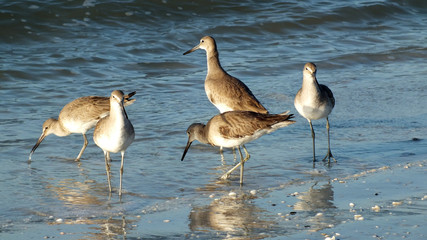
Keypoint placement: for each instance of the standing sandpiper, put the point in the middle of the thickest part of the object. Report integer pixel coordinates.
(224, 91)
(114, 133)
(314, 101)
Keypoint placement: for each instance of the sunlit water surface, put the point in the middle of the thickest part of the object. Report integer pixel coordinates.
(370, 53)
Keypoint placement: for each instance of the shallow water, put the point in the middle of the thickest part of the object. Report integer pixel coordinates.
(370, 53)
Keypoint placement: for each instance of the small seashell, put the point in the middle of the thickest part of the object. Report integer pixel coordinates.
(319, 214)
(376, 208)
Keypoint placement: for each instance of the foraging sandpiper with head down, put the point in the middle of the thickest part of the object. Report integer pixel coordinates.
(78, 116)
(234, 129)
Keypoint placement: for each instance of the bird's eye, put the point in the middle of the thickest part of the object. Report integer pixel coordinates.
(202, 41)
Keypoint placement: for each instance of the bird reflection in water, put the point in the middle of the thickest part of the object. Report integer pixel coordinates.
(318, 199)
(109, 228)
(77, 195)
(73, 192)
(238, 218)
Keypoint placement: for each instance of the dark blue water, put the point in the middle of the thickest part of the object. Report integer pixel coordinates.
(370, 53)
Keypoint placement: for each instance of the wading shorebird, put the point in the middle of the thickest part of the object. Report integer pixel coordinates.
(78, 116)
(314, 101)
(234, 129)
(224, 91)
(114, 133)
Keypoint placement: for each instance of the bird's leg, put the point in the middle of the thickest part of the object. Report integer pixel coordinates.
(221, 151)
(247, 153)
(242, 166)
(121, 173)
(243, 162)
(313, 135)
(107, 168)
(329, 154)
(109, 158)
(83, 148)
(227, 174)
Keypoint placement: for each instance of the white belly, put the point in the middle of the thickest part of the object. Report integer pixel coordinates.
(315, 113)
(114, 141)
(223, 107)
(220, 141)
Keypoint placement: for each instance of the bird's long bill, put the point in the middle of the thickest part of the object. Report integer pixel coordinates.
(128, 96)
(123, 109)
(37, 144)
(127, 99)
(192, 50)
(186, 149)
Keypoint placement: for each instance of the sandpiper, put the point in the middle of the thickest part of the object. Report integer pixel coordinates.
(114, 133)
(224, 91)
(78, 116)
(314, 101)
(234, 129)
